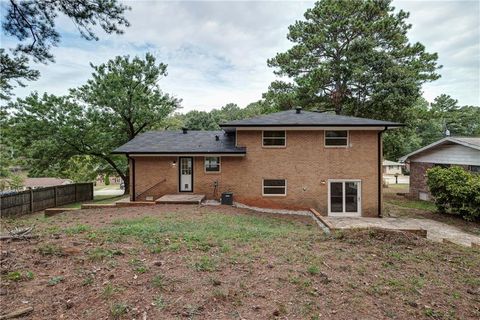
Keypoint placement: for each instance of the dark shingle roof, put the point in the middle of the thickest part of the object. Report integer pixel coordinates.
(307, 118)
(176, 142)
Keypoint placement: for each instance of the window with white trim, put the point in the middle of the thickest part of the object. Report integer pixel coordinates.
(274, 187)
(274, 138)
(212, 164)
(336, 138)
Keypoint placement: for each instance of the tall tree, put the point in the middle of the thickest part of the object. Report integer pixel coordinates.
(354, 56)
(121, 100)
(32, 24)
(428, 122)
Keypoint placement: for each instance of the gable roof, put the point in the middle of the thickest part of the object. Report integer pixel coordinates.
(177, 142)
(307, 119)
(45, 182)
(471, 142)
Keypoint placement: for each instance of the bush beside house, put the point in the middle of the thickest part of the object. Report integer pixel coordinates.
(455, 191)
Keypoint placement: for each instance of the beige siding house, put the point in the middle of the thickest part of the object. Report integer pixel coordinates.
(392, 167)
(293, 159)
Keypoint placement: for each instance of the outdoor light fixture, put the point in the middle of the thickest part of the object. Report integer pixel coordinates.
(174, 163)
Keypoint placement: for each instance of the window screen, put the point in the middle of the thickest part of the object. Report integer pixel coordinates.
(212, 164)
(274, 138)
(275, 187)
(336, 138)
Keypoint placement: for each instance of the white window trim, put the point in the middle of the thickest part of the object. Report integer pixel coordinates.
(274, 147)
(325, 139)
(344, 213)
(205, 164)
(274, 195)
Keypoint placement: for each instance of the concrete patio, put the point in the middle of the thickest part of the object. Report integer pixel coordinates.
(181, 199)
(436, 231)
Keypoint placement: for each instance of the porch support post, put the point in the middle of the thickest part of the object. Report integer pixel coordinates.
(380, 175)
(132, 177)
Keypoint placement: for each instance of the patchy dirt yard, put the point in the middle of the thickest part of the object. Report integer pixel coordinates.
(174, 262)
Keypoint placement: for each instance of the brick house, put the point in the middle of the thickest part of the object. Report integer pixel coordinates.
(292, 159)
(450, 151)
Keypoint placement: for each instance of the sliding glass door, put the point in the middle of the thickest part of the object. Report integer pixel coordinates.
(344, 198)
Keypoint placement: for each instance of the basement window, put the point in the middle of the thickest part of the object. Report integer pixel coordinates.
(274, 187)
(212, 164)
(336, 138)
(274, 138)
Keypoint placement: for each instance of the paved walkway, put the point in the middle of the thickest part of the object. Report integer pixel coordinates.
(401, 179)
(436, 231)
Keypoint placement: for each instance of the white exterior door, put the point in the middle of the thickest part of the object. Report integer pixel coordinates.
(344, 198)
(186, 175)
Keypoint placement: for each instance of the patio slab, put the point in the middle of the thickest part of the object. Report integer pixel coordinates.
(436, 231)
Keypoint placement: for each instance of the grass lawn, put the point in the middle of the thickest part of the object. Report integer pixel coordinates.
(413, 204)
(397, 188)
(109, 187)
(177, 261)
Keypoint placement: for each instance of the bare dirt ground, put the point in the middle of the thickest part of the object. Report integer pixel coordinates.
(189, 262)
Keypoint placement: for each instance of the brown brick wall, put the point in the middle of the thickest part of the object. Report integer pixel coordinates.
(305, 163)
(418, 180)
(418, 177)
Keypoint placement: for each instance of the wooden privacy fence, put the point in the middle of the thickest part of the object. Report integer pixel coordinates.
(39, 199)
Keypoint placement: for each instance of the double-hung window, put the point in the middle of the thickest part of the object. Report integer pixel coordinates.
(274, 138)
(212, 164)
(274, 187)
(336, 138)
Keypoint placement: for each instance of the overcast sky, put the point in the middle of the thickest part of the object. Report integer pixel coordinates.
(216, 51)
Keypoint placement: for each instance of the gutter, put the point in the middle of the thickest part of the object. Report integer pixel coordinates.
(392, 125)
(380, 174)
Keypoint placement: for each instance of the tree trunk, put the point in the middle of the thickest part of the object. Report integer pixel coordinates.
(127, 183)
(124, 175)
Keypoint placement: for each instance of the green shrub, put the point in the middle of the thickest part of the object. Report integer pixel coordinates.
(106, 180)
(455, 191)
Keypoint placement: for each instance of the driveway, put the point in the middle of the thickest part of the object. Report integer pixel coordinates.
(108, 192)
(401, 179)
(436, 231)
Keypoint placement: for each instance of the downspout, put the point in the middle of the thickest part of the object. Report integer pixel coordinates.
(380, 174)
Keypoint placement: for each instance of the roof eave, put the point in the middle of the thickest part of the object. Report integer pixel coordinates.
(178, 152)
(393, 125)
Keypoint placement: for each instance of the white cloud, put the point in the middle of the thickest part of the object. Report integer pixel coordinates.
(452, 29)
(216, 51)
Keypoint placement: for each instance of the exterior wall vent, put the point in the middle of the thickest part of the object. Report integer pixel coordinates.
(299, 109)
(185, 130)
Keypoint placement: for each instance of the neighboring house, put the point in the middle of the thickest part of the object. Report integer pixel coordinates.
(113, 179)
(33, 183)
(392, 167)
(458, 151)
(292, 159)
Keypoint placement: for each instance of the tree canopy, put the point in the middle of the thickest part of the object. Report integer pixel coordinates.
(353, 57)
(32, 24)
(121, 100)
